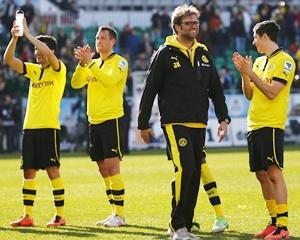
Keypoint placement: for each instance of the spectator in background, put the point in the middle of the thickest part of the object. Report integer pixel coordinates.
(29, 11)
(125, 125)
(146, 46)
(155, 25)
(8, 15)
(226, 78)
(264, 11)
(7, 122)
(220, 41)
(77, 36)
(165, 21)
(238, 31)
(61, 38)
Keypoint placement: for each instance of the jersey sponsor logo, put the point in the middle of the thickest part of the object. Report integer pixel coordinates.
(182, 142)
(42, 84)
(122, 64)
(287, 66)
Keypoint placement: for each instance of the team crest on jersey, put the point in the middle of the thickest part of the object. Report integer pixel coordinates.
(270, 67)
(204, 59)
(182, 142)
(287, 66)
(122, 64)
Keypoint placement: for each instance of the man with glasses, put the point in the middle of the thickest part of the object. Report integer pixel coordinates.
(184, 77)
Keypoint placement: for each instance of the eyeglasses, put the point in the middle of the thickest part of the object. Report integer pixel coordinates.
(190, 23)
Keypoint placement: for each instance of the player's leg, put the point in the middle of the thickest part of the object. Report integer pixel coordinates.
(58, 191)
(260, 152)
(49, 152)
(29, 195)
(29, 167)
(210, 187)
(275, 173)
(109, 136)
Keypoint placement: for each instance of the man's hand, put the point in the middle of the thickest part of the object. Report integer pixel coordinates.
(15, 30)
(243, 64)
(146, 135)
(25, 28)
(84, 54)
(222, 130)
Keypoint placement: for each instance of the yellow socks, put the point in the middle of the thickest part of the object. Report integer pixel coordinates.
(210, 187)
(117, 189)
(59, 195)
(106, 183)
(282, 215)
(271, 206)
(29, 195)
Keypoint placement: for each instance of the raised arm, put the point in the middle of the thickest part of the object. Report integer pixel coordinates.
(244, 65)
(9, 55)
(79, 77)
(247, 87)
(42, 47)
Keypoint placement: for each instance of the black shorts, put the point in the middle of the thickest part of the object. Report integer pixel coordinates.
(40, 148)
(105, 140)
(265, 148)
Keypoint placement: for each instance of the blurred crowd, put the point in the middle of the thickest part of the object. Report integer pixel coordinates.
(222, 29)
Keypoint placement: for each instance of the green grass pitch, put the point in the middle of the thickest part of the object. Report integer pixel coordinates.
(147, 179)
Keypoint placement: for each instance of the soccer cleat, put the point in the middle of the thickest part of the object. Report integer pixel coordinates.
(183, 234)
(263, 233)
(278, 234)
(220, 224)
(195, 226)
(56, 222)
(101, 222)
(25, 221)
(115, 221)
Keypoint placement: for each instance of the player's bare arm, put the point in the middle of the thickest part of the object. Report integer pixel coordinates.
(9, 56)
(238, 61)
(41, 47)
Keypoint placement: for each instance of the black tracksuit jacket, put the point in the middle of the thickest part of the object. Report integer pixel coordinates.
(183, 89)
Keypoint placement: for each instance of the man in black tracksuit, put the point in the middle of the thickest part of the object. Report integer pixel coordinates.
(184, 77)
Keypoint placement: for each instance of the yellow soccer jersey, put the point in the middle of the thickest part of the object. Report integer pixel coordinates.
(262, 111)
(106, 81)
(45, 93)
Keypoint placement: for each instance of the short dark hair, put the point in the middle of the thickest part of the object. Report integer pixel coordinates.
(112, 32)
(181, 12)
(271, 28)
(50, 41)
